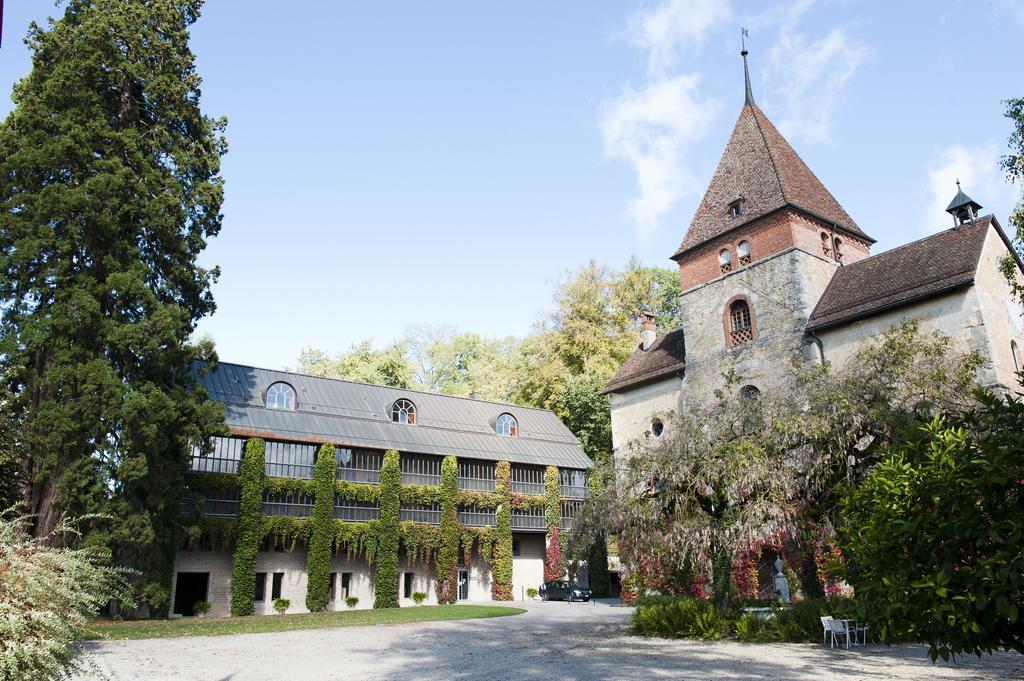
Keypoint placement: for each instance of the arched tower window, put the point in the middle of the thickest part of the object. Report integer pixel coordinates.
(725, 260)
(826, 245)
(507, 425)
(1015, 349)
(403, 411)
(280, 396)
(741, 323)
(837, 247)
(743, 251)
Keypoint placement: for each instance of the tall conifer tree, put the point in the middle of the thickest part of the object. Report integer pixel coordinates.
(109, 190)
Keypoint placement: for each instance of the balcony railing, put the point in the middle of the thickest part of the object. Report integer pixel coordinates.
(567, 523)
(478, 518)
(477, 484)
(418, 513)
(534, 488)
(356, 514)
(528, 521)
(573, 491)
(213, 464)
(288, 470)
(364, 475)
(420, 479)
(288, 508)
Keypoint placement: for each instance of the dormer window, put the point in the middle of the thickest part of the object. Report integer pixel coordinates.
(403, 411)
(725, 260)
(743, 251)
(736, 207)
(507, 426)
(280, 396)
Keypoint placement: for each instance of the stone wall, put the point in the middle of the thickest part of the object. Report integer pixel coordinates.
(1001, 312)
(633, 410)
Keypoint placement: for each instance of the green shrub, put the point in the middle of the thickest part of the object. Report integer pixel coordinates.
(282, 605)
(446, 569)
(501, 570)
(418, 597)
(47, 596)
(201, 607)
(679, 617)
(386, 574)
(318, 558)
(250, 529)
(752, 628)
(531, 593)
(351, 601)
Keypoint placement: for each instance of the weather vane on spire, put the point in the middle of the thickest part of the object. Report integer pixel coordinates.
(749, 94)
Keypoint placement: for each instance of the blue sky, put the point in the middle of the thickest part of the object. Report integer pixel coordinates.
(406, 163)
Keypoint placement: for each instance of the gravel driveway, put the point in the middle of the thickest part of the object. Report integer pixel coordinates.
(551, 641)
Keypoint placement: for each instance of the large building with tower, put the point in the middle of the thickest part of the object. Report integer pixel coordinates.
(773, 270)
(294, 414)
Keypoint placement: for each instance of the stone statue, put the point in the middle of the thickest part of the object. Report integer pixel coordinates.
(781, 582)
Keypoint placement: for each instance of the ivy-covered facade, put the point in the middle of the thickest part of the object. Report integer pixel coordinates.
(473, 497)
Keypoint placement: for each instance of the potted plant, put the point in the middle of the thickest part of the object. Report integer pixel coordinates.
(200, 608)
(351, 601)
(531, 593)
(282, 605)
(418, 597)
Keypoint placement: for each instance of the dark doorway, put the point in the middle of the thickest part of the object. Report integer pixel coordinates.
(463, 584)
(189, 590)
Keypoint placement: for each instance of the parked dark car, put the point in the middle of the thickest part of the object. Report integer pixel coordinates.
(564, 591)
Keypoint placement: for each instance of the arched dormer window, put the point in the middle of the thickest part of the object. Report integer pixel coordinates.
(740, 323)
(837, 248)
(743, 251)
(403, 411)
(826, 245)
(507, 425)
(725, 260)
(280, 396)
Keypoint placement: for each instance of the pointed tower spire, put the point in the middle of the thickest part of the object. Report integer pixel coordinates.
(746, 71)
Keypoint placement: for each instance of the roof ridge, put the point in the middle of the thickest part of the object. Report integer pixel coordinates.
(768, 148)
(389, 387)
(958, 228)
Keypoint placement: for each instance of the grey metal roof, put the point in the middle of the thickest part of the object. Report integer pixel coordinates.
(359, 415)
(961, 200)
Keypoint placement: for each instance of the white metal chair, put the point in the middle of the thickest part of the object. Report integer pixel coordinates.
(835, 628)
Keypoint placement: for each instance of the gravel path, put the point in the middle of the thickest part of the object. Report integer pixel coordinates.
(551, 641)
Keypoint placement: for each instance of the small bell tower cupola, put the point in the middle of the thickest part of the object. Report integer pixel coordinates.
(963, 208)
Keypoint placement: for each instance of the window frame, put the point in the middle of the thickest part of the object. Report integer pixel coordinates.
(286, 407)
(276, 586)
(735, 337)
(261, 587)
(404, 404)
(513, 425)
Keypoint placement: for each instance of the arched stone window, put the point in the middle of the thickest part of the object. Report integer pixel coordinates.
(750, 392)
(837, 248)
(280, 396)
(1015, 349)
(657, 427)
(743, 251)
(826, 245)
(403, 411)
(507, 425)
(725, 260)
(739, 323)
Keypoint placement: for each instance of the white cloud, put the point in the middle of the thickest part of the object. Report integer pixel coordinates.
(977, 168)
(811, 74)
(672, 26)
(651, 128)
(1014, 8)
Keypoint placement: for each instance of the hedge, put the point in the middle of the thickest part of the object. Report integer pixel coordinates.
(386, 575)
(446, 570)
(250, 529)
(318, 557)
(501, 572)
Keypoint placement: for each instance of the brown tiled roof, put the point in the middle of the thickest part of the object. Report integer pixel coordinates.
(933, 265)
(666, 357)
(759, 164)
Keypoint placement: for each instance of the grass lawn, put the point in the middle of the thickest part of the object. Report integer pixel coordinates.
(221, 626)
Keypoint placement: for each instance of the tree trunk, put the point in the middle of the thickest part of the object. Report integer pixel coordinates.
(43, 506)
(721, 575)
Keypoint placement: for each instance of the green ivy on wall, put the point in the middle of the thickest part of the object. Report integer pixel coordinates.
(527, 502)
(318, 557)
(446, 571)
(386, 575)
(356, 491)
(284, 532)
(554, 563)
(419, 541)
(250, 529)
(357, 539)
(501, 572)
(424, 494)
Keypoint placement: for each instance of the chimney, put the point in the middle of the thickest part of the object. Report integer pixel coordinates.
(648, 335)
